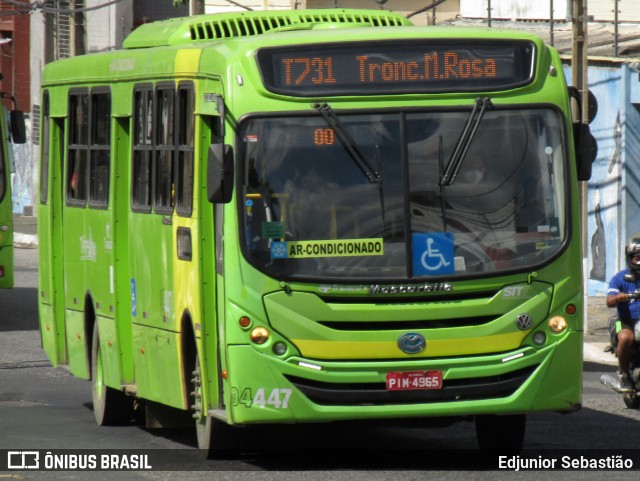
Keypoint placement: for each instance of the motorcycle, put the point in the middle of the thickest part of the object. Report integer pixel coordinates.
(631, 399)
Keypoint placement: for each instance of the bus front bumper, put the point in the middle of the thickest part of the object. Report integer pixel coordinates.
(303, 390)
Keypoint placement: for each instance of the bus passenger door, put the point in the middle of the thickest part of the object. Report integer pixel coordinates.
(150, 223)
(122, 274)
(50, 235)
(152, 248)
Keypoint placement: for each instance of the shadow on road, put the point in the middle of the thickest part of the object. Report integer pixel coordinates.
(356, 446)
(23, 314)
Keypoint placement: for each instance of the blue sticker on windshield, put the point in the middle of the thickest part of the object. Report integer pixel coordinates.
(433, 253)
(278, 250)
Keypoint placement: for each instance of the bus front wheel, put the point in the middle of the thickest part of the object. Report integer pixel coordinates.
(215, 438)
(501, 433)
(110, 406)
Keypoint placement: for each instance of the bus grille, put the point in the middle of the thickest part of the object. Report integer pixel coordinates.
(409, 325)
(375, 394)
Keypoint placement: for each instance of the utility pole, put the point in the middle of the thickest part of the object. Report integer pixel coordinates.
(196, 7)
(579, 56)
(579, 64)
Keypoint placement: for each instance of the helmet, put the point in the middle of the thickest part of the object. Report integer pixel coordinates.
(631, 250)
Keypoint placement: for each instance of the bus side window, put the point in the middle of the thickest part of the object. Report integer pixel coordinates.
(142, 149)
(163, 181)
(184, 150)
(100, 151)
(44, 141)
(77, 148)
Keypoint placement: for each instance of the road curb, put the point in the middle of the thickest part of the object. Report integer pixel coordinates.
(24, 240)
(594, 352)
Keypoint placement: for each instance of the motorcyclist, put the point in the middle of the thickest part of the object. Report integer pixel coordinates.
(619, 295)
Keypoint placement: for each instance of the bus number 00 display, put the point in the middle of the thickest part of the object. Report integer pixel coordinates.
(323, 136)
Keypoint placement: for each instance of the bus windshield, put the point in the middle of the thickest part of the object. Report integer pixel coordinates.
(309, 212)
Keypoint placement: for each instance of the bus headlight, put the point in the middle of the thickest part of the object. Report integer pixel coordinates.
(557, 324)
(260, 335)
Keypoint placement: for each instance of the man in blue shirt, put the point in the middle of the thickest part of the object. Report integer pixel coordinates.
(620, 295)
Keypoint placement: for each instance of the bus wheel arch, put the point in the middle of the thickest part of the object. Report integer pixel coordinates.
(189, 351)
(90, 324)
(215, 438)
(193, 384)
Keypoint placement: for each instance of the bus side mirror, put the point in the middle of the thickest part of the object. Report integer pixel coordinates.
(220, 173)
(586, 146)
(18, 130)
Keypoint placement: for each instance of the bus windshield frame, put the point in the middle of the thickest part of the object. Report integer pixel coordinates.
(307, 213)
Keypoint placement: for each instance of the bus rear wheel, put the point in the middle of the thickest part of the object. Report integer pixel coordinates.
(110, 406)
(503, 434)
(215, 438)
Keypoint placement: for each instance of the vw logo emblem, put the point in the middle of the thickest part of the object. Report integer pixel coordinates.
(524, 322)
(412, 343)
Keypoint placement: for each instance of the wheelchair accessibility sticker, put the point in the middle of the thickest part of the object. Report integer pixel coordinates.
(433, 253)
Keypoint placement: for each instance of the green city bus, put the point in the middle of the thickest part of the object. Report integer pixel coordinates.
(12, 130)
(313, 216)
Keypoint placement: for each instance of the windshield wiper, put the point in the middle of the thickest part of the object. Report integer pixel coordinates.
(469, 131)
(348, 142)
(443, 199)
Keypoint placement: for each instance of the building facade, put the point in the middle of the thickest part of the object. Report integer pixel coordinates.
(14, 45)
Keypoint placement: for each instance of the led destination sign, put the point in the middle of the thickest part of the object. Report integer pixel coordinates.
(398, 67)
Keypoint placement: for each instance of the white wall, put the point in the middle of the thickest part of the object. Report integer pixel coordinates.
(220, 6)
(445, 11)
(514, 9)
(106, 27)
(601, 10)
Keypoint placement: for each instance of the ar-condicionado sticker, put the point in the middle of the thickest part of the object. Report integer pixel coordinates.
(329, 248)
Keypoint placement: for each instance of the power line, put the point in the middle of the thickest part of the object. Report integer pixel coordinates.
(232, 2)
(26, 8)
(428, 7)
(46, 7)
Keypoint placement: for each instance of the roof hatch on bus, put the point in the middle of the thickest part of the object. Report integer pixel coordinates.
(205, 28)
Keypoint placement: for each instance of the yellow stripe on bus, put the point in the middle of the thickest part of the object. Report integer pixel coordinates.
(390, 349)
(187, 61)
